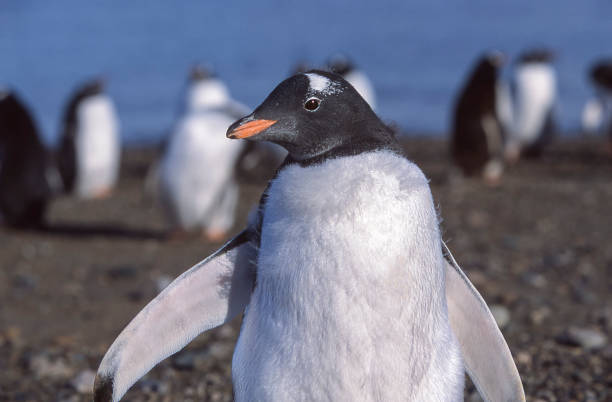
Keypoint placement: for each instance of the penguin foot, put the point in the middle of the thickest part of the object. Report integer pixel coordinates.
(492, 173)
(177, 234)
(102, 194)
(214, 235)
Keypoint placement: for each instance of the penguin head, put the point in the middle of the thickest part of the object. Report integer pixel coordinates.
(93, 87)
(487, 67)
(340, 64)
(206, 90)
(539, 55)
(601, 74)
(201, 72)
(310, 114)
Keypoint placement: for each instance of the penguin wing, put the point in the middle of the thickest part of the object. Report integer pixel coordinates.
(486, 355)
(207, 295)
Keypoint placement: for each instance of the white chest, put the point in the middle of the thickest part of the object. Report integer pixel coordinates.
(349, 302)
(97, 146)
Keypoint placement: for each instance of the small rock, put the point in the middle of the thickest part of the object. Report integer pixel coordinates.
(184, 360)
(538, 315)
(45, 367)
(524, 358)
(84, 381)
(501, 315)
(536, 280)
(25, 281)
(152, 386)
(121, 272)
(134, 296)
(475, 397)
(586, 338)
(162, 281)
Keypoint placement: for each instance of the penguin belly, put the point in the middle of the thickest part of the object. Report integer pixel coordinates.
(349, 303)
(97, 147)
(196, 180)
(535, 97)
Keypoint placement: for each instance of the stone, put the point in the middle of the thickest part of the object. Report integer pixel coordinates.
(501, 315)
(84, 381)
(586, 338)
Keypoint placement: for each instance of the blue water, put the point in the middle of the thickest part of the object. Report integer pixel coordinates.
(416, 53)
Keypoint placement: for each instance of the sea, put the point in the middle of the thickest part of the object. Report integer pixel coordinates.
(417, 53)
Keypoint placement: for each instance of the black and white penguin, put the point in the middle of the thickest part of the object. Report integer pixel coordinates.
(89, 152)
(25, 166)
(196, 173)
(341, 64)
(342, 261)
(477, 137)
(597, 113)
(534, 85)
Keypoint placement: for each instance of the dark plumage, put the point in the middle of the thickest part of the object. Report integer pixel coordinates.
(341, 124)
(24, 190)
(476, 131)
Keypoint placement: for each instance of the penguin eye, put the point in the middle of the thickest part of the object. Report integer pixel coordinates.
(312, 104)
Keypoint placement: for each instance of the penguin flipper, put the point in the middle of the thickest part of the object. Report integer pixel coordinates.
(486, 355)
(209, 294)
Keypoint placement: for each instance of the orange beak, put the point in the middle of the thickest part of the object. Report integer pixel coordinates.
(250, 129)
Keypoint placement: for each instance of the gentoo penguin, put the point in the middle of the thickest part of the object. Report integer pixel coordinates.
(477, 135)
(341, 64)
(597, 114)
(534, 84)
(89, 152)
(24, 166)
(196, 172)
(342, 275)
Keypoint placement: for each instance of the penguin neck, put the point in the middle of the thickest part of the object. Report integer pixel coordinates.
(366, 138)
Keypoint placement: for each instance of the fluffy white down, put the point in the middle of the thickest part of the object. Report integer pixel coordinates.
(364, 87)
(196, 174)
(534, 99)
(97, 146)
(350, 300)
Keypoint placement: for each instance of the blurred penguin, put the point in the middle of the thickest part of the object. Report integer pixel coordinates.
(477, 134)
(300, 67)
(597, 113)
(26, 175)
(341, 64)
(196, 176)
(89, 152)
(535, 91)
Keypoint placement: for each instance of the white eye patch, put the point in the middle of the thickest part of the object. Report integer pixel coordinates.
(321, 84)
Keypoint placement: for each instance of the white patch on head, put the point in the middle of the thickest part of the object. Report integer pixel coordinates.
(322, 85)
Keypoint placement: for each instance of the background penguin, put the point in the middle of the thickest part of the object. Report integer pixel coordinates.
(25, 166)
(332, 284)
(196, 176)
(535, 91)
(89, 151)
(597, 113)
(477, 135)
(341, 64)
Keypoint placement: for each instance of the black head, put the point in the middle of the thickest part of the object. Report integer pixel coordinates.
(201, 72)
(601, 73)
(311, 114)
(540, 55)
(487, 67)
(340, 64)
(92, 87)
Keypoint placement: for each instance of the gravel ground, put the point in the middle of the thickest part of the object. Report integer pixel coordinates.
(537, 248)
